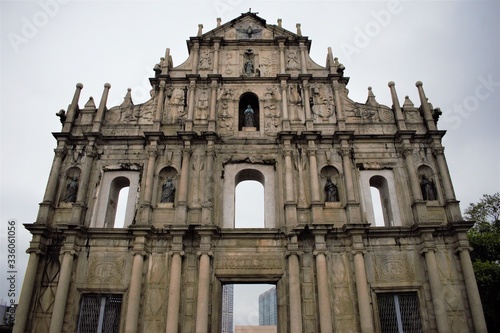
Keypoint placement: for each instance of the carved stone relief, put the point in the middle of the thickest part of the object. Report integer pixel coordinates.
(322, 102)
(390, 268)
(295, 103)
(202, 105)
(292, 60)
(225, 120)
(174, 108)
(205, 60)
(230, 63)
(247, 261)
(268, 63)
(106, 270)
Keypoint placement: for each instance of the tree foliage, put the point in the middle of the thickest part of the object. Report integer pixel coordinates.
(484, 238)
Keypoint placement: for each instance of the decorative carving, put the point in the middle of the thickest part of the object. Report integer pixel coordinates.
(322, 102)
(202, 105)
(295, 100)
(270, 99)
(205, 60)
(292, 60)
(175, 107)
(247, 261)
(105, 270)
(268, 64)
(249, 66)
(389, 268)
(71, 190)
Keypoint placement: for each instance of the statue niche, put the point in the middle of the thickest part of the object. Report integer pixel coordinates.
(248, 112)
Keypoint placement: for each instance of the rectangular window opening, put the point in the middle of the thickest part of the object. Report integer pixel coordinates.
(249, 308)
(99, 313)
(399, 313)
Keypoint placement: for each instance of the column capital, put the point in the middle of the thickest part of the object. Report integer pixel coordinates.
(208, 253)
(293, 253)
(179, 252)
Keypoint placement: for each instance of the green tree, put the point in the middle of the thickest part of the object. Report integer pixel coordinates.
(484, 238)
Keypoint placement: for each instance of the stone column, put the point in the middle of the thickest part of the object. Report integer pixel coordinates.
(206, 210)
(400, 120)
(306, 101)
(196, 51)
(159, 105)
(71, 114)
(174, 292)
(438, 299)
(303, 64)
(317, 206)
(216, 58)
(475, 304)
(147, 204)
(202, 307)
(190, 113)
(281, 45)
(325, 311)
(134, 294)
(96, 127)
(294, 291)
(451, 204)
(183, 184)
(23, 309)
(338, 106)
(429, 120)
(50, 192)
(213, 104)
(365, 312)
(284, 99)
(80, 205)
(300, 164)
(290, 204)
(59, 308)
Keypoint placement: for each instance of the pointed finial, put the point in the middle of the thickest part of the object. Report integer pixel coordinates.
(90, 103)
(371, 98)
(299, 32)
(218, 22)
(200, 30)
(279, 22)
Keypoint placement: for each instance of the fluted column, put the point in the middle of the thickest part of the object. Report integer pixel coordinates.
(290, 203)
(59, 308)
(134, 294)
(294, 287)
(362, 291)
(325, 310)
(23, 308)
(174, 292)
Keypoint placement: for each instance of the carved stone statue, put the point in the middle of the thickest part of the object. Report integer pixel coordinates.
(331, 191)
(249, 117)
(71, 190)
(249, 66)
(168, 191)
(429, 192)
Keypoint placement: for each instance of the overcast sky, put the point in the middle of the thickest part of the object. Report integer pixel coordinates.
(49, 46)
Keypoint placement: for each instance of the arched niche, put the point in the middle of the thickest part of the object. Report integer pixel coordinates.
(167, 176)
(71, 186)
(383, 181)
(428, 184)
(236, 173)
(331, 173)
(107, 198)
(248, 99)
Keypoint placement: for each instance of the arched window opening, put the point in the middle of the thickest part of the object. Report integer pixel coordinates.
(249, 205)
(121, 208)
(117, 185)
(377, 207)
(248, 112)
(379, 184)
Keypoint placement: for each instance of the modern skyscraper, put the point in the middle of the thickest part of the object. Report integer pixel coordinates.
(268, 310)
(227, 308)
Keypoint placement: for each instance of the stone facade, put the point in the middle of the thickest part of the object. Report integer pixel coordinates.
(316, 152)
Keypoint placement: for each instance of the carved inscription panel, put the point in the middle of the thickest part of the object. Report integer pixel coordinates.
(251, 263)
(390, 268)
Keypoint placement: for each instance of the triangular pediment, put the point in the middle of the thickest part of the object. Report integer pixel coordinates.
(248, 26)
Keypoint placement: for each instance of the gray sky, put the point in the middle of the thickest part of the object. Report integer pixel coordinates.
(48, 46)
